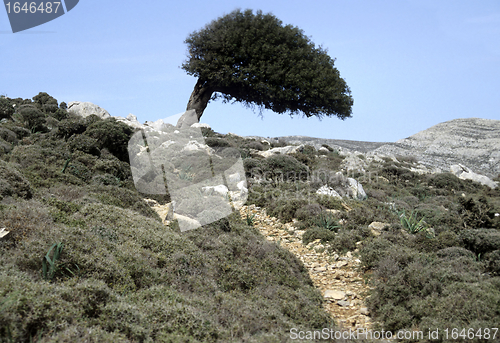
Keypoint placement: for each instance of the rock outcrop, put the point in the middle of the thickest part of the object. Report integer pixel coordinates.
(472, 142)
(85, 109)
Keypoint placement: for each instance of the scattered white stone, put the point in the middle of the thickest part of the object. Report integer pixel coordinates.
(212, 190)
(200, 125)
(334, 294)
(464, 173)
(326, 190)
(3, 232)
(85, 109)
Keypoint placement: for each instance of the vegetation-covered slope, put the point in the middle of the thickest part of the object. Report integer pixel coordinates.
(121, 275)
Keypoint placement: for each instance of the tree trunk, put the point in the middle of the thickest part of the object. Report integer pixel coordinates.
(199, 98)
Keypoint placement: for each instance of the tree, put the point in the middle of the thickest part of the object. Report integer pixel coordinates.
(45, 102)
(6, 108)
(254, 59)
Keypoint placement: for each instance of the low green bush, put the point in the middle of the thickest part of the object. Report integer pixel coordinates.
(12, 182)
(112, 135)
(315, 233)
(283, 168)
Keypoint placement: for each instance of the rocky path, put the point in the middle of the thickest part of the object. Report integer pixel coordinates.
(337, 277)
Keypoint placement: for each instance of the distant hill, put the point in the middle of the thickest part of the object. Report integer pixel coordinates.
(473, 142)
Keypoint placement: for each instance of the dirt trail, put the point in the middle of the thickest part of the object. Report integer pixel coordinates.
(337, 277)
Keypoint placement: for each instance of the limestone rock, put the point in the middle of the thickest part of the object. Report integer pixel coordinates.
(343, 303)
(200, 125)
(289, 149)
(356, 188)
(334, 294)
(166, 212)
(158, 125)
(85, 109)
(3, 232)
(474, 142)
(464, 173)
(364, 311)
(186, 223)
(377, 227)
(130, 120)
(325, 190)
(187, 119)
(211, 190)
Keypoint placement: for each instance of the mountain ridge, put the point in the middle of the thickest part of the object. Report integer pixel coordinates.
(473, 142)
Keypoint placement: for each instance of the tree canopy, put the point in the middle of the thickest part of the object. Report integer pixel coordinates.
(255, 59)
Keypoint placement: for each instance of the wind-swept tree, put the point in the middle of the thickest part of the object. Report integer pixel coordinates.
(255, 59)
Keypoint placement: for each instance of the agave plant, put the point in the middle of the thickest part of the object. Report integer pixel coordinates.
(49, 266)
(328, 222)
(411, 223)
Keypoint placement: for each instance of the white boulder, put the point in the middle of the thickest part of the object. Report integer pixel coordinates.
(85, 109)
(464, 173)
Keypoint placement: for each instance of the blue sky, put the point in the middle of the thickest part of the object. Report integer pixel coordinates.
(410, 64)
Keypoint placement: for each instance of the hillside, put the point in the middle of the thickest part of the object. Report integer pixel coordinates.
(472, 142)
(84, 258)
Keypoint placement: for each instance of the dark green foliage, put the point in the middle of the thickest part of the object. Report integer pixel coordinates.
(481, 241)
(71, 126)
(254, 145)
(408, 283)
(327, 221)
(12, 182)
(446, 181)
(31, 117)
(285, 209)
(476, 213)
(307, 211)
(216, 142)
(6, 108)
(85, 144)
(45, 102)
(255, 59)
(19, 131)
(251, 165)
(282, 168)
(318, 233)
(111, 135)
(136, 277)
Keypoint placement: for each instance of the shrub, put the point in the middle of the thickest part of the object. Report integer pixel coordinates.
(481, 241)
(19, 131)
(285, 209)
(112, 135)
(85, 144)
(318, 233)
(282, 168)
(8, 135)
(251, 165)
(6, 108)
(5, 147)
(254, 145)
(12, 182)
(476, 213)
(31, 117)
(308, 211)
(69, 127)
(217, 142)
(327, 221)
